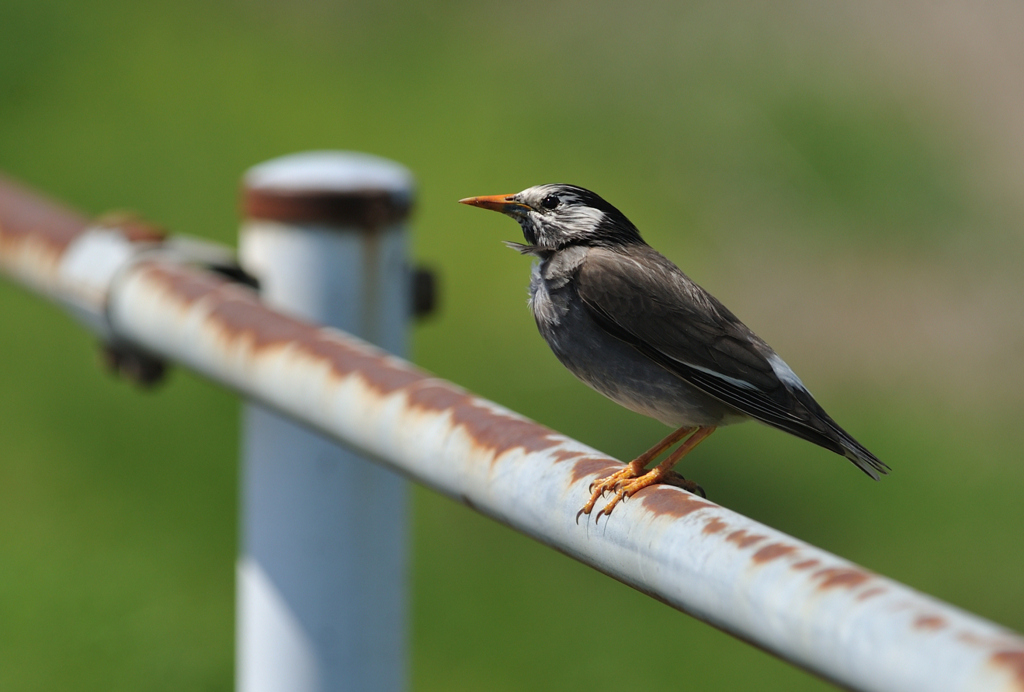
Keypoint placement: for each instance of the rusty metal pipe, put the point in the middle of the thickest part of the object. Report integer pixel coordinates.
(825, 614)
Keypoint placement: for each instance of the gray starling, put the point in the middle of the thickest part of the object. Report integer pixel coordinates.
(630, 324)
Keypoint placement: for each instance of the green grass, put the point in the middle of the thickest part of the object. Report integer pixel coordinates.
(718, 132)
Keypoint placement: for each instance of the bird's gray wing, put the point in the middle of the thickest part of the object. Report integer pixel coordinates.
(641, 298)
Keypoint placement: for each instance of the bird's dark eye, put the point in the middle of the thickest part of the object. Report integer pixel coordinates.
(550, 202)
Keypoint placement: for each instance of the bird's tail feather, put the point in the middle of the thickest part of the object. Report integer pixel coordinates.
(825, 432)
(847, 446)
(859, 455)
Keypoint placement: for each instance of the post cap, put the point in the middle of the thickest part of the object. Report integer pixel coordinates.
(340, 188)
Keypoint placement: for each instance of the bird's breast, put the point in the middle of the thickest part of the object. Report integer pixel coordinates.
(548, 310)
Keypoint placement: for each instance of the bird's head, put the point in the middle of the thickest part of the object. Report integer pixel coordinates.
(556, 216)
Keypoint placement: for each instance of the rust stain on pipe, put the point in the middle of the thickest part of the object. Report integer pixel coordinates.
(743, 538)
(841, 577)
(490, 430)
(133, 227)
(672, 502)
(714, 525)
(187, 287)
(242, 320)
(367, 209)
(591, 466)
(24, 212)
(34, 232)
(772, 551)
(871, 593)
(566, 454)
(1012, 659)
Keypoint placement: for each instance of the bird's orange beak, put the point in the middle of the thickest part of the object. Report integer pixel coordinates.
(503, 203)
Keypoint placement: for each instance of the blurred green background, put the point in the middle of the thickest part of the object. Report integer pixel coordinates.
(848, 177)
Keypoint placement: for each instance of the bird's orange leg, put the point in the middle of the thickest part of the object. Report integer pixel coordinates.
(628, 485)
(633, 469)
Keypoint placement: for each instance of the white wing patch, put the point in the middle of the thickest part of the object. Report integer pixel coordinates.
(732, 380)
(784, 372)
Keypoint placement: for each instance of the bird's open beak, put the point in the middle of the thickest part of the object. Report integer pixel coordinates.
(506, 204)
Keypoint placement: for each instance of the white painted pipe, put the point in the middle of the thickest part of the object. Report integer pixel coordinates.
(322, 574)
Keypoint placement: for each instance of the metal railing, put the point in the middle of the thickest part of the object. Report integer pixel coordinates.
(152, 300)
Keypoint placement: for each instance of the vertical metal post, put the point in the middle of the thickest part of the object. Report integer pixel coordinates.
(322, 583)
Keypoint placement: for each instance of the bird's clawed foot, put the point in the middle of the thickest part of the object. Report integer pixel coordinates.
(629, 481)
(609, 483)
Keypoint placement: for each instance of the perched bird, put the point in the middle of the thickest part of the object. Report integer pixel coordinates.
(630, 324)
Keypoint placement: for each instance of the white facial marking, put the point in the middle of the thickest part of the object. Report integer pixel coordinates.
(582, 217)
(573, 218)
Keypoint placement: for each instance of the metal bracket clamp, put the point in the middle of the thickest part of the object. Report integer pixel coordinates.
(97, 260)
